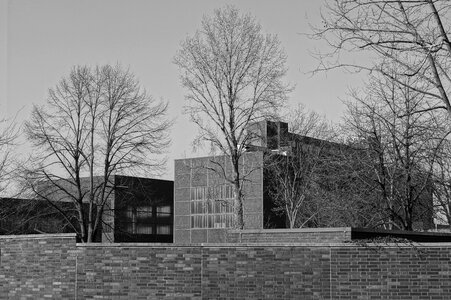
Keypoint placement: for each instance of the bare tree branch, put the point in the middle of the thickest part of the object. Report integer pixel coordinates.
(404, 141)
(403, 37)
(233, 76)
(97, 122)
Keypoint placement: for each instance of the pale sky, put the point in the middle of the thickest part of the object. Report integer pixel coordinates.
(41, 40)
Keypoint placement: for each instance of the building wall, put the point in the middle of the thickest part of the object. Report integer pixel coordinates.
(154, 223)
(143, 210)
(32, 216)
(196, 175)
(42, 266)
(304, 235)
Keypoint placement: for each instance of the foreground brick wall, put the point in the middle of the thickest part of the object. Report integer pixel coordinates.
(56, 267)
(36, 267)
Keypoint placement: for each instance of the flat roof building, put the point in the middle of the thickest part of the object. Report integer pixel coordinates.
(203, 198)
(137, 210)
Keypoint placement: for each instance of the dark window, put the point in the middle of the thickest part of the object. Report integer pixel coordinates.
(163, 211)
(138, 220)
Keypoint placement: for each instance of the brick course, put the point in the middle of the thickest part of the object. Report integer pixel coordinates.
(44, 266)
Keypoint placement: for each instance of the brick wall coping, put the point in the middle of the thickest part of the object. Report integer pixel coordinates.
(294, 230)
(401, 232)
(216, 245)
(262, 245)
(39, 236)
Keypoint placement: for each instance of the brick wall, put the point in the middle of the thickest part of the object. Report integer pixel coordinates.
(307, 235)
(36, 267)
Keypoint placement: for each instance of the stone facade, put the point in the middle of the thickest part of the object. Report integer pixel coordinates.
(55, 267)
(195, 175)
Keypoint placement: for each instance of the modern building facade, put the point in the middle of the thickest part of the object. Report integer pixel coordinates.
(33, 216)
(142, 211)
(203, 199)
(137, 210)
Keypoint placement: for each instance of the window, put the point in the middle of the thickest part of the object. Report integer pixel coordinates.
(163, 229)
(138, 220)
(211, 207)
(163, 211)
(144, 229)
(144, 212)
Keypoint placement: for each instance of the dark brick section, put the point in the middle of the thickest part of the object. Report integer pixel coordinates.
(422, 237)
(308, 235)
(39, 267)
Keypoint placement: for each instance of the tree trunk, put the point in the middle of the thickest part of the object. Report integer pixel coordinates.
(238, 207)
(90, 234)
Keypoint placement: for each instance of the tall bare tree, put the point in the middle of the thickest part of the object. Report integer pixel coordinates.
(398, 38)
(295, 176)
(8, 135)
(402, 145)
(96, 123)
(442, 184)
(317, 184)
(305, 122)
(233, 76)
(293, 186)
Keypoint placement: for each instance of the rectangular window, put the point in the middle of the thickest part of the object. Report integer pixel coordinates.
(137, 220)
(163, 229)
(163, 211)
(212, 207)
(143, 212)
(144, 229)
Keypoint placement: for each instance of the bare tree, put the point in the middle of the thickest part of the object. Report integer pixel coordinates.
(316, 184)
(305, 122)
(401, 147)
(294, 177)
(398, 38)
(233, 75)
(97, 122)
(294, 184)
(442, 184)
(8, 135)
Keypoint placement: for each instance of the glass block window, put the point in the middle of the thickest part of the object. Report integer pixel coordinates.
(212, 207)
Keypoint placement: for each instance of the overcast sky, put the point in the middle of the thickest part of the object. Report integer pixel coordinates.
(41, 40)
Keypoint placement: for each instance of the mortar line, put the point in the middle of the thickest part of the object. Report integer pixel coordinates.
(330, 272)
(76, 277)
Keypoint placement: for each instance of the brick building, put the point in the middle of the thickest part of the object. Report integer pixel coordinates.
(203, 199)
